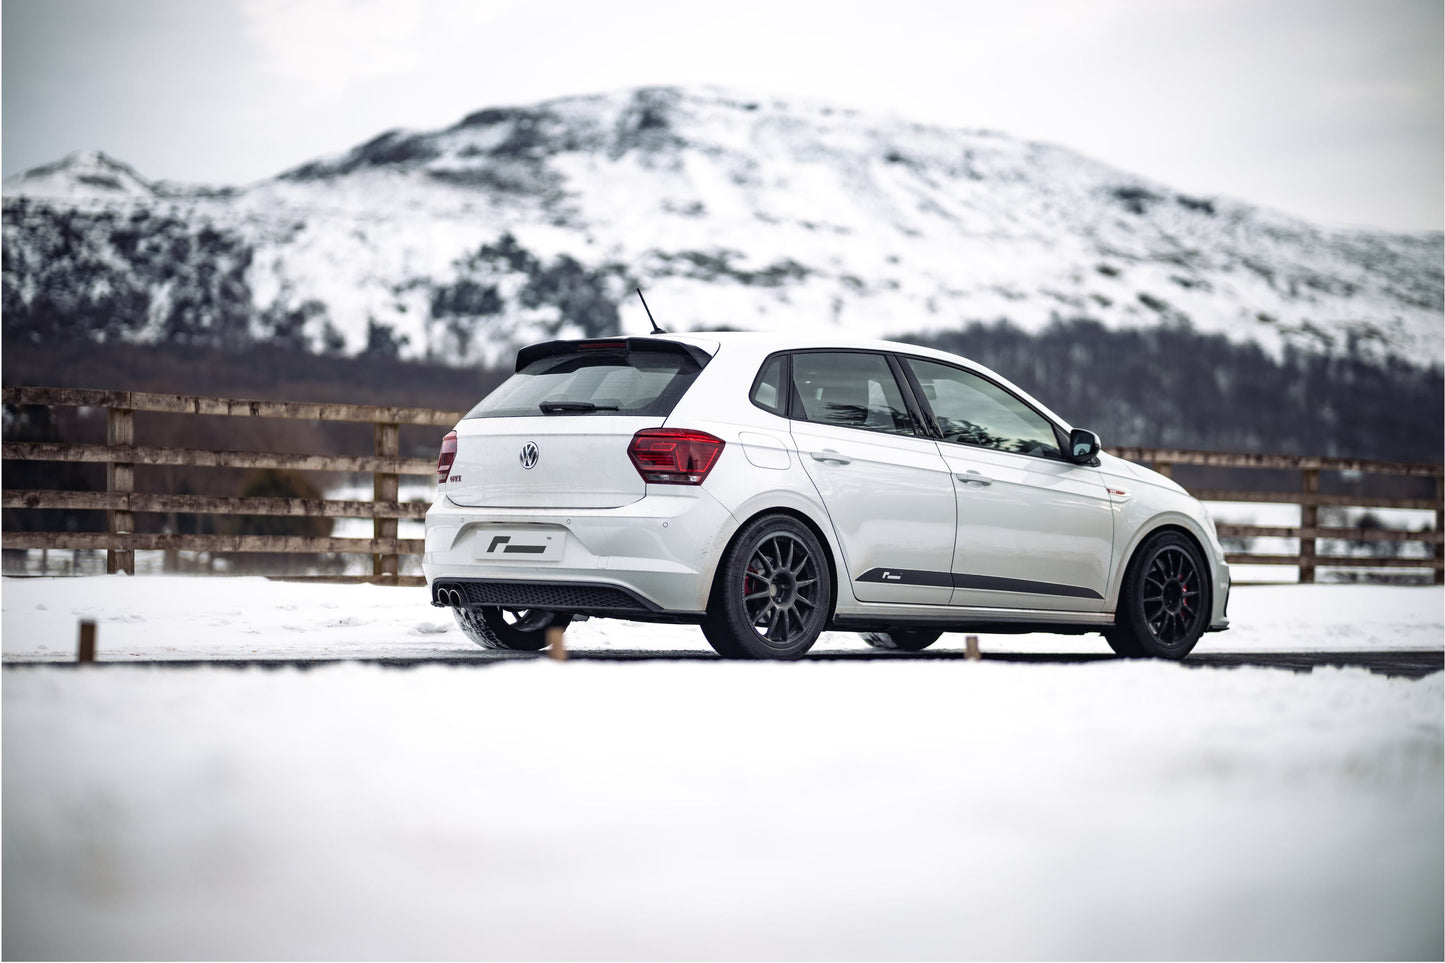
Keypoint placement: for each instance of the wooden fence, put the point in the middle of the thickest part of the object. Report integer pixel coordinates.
(1311, 500)
(121, 502)
(120, 455)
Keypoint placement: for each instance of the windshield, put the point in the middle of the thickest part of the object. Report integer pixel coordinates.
(594, 383)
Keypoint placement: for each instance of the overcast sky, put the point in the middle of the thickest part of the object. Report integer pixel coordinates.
(1329, 109)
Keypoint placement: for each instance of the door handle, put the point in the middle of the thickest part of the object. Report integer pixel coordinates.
(830, 456)
(972, 477)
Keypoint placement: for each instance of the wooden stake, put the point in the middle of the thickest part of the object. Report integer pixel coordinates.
(556, 648)
(971, 649)
(87, 642)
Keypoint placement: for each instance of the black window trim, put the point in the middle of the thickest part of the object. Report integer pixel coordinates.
(1060, 436)
(920, 426)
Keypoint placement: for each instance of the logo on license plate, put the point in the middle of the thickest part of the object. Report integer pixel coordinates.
(501, 544)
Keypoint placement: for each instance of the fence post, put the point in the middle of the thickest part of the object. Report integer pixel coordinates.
(120, 477)
(1164, 468)
(1309, 517)
(1439, 526)
(386, 487)
(85, 652)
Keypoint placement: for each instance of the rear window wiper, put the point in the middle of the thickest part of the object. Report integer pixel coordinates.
(564, 407)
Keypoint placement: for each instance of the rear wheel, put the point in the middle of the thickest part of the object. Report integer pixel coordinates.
(773, 592)
(902, 640)
(521, 630)
(1165, 600)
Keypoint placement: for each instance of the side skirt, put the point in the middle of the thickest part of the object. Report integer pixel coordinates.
(999, 621)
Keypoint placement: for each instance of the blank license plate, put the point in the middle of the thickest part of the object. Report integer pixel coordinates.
(520, 546)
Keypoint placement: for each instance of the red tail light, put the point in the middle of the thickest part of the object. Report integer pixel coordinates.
(674, 456)
(448, 455)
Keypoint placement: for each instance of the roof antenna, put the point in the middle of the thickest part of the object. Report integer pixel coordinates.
(655, 328)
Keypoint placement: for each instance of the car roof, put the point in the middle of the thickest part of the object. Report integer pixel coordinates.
(775, 341)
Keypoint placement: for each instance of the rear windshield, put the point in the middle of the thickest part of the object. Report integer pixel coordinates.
(594, 383)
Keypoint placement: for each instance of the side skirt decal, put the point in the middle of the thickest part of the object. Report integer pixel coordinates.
(985, 583)
(907, 576)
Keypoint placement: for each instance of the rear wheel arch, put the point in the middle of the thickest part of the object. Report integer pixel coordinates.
(810, 524)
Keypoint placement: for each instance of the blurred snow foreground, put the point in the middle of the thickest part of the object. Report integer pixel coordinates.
(702, 809)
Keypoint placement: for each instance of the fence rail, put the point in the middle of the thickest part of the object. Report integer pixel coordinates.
(210, 504)
(121, 502)
(193, 405)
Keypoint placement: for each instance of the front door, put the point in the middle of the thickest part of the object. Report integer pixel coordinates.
(1035, 531)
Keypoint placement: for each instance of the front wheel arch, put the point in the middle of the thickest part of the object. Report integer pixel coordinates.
(1142, 537)
(1131, 634)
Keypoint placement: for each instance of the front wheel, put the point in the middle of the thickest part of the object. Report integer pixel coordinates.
(773, 592)
(1164, 604)
(521, 630)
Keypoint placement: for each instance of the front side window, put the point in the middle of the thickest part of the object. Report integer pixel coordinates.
(974, 411)
(851, 389)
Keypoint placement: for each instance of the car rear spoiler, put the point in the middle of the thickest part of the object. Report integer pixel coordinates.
(547, 349)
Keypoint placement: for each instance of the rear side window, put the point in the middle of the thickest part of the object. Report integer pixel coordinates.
(594, 383)
(768, 391)
(852, 389)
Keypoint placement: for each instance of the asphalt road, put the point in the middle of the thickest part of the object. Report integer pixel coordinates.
(1411, 665)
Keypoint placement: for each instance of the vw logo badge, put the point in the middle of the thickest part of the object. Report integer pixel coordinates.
(530, 454)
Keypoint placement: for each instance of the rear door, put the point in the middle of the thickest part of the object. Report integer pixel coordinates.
(888, 492)
(555, 434)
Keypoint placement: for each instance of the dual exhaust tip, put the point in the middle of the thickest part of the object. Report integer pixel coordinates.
(450, 597)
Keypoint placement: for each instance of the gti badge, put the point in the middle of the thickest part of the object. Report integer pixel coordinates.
(530, 454)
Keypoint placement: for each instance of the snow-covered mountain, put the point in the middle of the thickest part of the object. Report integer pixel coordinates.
(524, 222)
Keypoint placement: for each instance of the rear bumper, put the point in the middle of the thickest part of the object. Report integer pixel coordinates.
(590, 598)
(653, 558)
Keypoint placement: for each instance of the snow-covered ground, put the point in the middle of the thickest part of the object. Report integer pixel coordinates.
(703, 809)
(199, 617)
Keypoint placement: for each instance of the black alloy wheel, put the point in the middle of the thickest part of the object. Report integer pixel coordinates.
(1164, 605)
(773, 593)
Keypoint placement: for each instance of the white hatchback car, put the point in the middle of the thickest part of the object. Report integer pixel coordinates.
(767, 488)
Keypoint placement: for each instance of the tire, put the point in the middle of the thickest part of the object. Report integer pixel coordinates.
(1123, 644)
(773, 593)
(902, 640)
(519, 630)
(1165, 601)
(721, 640)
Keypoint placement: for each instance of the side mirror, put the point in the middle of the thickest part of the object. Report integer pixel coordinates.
(1083, 446)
